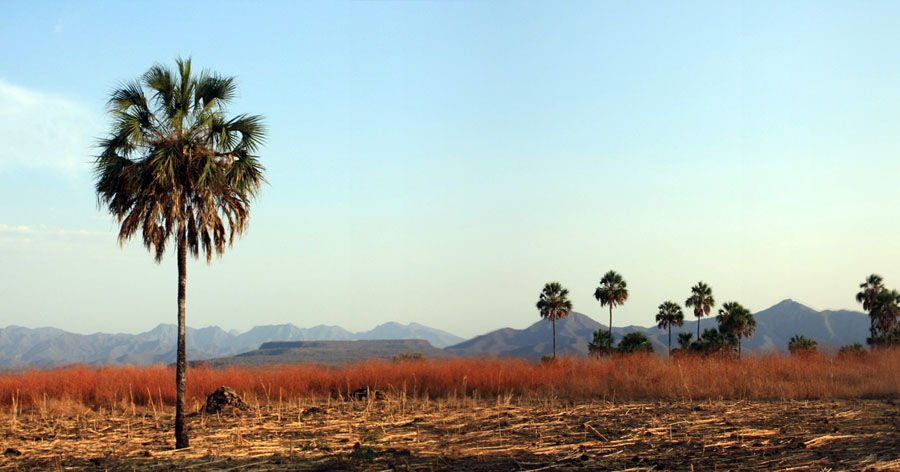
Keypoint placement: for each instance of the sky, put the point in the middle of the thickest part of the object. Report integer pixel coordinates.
(439, 162)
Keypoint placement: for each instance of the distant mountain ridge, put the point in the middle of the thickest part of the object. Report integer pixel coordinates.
(47, 347)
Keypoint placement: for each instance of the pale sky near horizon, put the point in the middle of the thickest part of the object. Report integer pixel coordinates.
(438, 162)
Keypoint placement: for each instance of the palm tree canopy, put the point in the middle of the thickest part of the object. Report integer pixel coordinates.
(669, 314)
(635, 341)
(885, 310)
(612, 290)
(600, 343)
(869, 290)
(174, 165)
(701, 299)
(685, 338)
(733, 318)
(554, 302)
(799, 344)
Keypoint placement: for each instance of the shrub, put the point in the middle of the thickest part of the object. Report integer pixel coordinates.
(409, 356)
(634, 342)
(801, 345)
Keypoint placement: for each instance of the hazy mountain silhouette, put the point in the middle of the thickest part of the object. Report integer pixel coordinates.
(43, 347)
(46, 347)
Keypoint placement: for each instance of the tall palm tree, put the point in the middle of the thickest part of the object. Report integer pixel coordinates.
(669, 315)
(612, 291)
(736, 320)
(869, 290)
(702, 301)
(176, 169)
(554, 305)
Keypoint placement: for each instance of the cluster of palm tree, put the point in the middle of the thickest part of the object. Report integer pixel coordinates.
(554, 305)
(735, 321)
(883, 306)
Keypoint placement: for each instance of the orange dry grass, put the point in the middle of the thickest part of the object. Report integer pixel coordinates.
(636, 377)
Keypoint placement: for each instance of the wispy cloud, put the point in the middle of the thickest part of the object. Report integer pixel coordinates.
(44, 131)
(45, 231)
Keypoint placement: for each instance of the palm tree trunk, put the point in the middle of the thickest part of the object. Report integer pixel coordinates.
(739, 347)
(554, 337)
(670, 340)
(609, 348)
(698, 329)
(181, 438)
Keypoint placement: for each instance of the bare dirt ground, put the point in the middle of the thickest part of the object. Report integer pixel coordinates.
(466, 434)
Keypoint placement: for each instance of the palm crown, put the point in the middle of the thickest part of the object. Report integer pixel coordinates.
(734, 319)
(702, 301)
(175, 165)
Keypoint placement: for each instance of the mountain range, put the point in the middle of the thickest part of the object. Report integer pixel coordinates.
(45, 347)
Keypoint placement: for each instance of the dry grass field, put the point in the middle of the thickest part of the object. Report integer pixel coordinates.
(634, 413)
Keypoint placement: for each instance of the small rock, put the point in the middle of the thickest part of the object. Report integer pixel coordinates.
(10, 451)
(224, 397)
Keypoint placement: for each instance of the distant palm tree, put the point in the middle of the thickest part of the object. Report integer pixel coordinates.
(736, 320)
(634, 341)
(885, 313)
(554, 305)
(801, 345)
(869, 290)
(600, 343)
(702, 301)
(684, 339)
(176, 169)
(669, 315)
(612, 291)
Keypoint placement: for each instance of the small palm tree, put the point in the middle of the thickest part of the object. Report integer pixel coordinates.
(702, 301)
(801, 345)
(885, 313)
(554, 305)
(176, 169)
(736, 320)
(635, 342)
(869, 290)
(612, 292)
(599, 345)
(684, 339)
(669, 315)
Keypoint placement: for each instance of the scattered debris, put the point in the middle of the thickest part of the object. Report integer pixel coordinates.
(469, 434)
(363, 393)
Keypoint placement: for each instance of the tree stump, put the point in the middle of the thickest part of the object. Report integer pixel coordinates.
(224, 398)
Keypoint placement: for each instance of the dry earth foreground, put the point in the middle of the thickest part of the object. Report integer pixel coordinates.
(463, 433)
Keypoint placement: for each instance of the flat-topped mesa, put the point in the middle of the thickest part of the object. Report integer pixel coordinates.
(331, 344)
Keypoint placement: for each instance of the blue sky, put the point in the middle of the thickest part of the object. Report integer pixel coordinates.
(438, 162)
